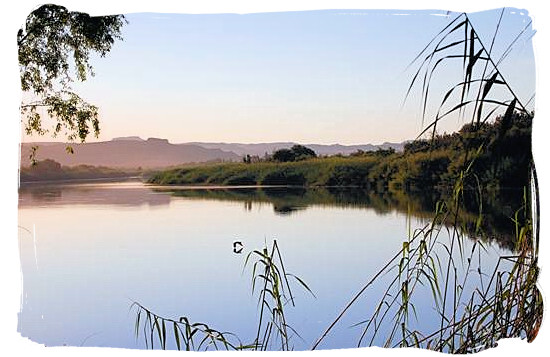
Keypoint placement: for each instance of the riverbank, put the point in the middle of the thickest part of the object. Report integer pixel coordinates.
(51, 171)
(81, 180)
(494, 156)
(332, 171)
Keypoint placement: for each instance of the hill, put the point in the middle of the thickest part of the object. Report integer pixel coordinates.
(49, 170)
(133, 152)
(260, 149)
(126, 153)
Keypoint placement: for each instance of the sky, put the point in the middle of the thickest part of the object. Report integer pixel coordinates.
(332, 76)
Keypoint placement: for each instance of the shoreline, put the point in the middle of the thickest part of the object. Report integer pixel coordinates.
(81, 180)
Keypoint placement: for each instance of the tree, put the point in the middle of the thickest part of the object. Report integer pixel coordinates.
(52, 35)
(283, 155)
(302, 153)
(295, 153)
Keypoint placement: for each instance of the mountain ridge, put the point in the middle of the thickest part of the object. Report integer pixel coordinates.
(133, 151)
(261, 149)
(150, 153)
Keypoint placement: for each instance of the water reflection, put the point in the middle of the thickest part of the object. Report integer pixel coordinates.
(497, 210)
(496, 221)
(128, 194)
(88, 250)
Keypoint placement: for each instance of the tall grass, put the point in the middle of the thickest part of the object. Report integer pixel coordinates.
(158, 331)
(312, 172)
(475, 307)
(274, 295)
(270, 281)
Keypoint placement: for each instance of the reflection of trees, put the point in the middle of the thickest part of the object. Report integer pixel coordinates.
(89, 194)
(497, 208)
(44, 194)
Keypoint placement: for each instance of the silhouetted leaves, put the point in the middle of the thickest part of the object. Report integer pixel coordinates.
(51, 38)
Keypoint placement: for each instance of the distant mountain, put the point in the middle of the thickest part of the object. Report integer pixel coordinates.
(128, 138)
(129, 152)
(262, 148)
(133, 152)
(243, 149)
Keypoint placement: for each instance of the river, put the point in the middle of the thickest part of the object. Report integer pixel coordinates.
(88, 250)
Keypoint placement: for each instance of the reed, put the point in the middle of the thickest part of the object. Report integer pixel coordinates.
(157, 331)
(475, 308)
(273, 330)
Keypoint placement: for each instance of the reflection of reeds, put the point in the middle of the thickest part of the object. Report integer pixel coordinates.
(273, 331)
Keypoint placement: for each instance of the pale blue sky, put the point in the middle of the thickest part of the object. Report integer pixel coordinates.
(310, 77)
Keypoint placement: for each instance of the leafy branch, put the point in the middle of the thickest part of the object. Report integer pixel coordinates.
(50, 38)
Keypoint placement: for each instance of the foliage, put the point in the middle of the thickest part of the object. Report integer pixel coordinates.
(425, 163)
(273, 296)
(52, 36)
(295, 153)
(187, 335)
(475, 308)
(283, 155)
(313, 172)
(47, 170)
(284, 176)
(460, 41)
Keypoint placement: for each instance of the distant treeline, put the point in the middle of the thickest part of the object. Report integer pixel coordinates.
(50, 170)
(501, 151)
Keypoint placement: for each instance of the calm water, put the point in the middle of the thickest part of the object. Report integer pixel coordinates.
(89, 250)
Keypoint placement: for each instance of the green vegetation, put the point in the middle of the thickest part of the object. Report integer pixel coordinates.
(50, 170)
(273, 330)
(437, 162)
(52, 36)
(295, 153)
(474, 307)
(313, 172)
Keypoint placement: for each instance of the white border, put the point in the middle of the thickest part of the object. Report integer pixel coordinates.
(14, 14)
